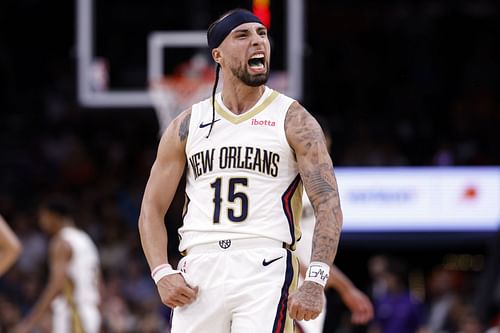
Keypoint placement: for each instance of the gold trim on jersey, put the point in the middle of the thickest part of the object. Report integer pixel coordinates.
(236, 119)
(76, 323)
(187, 200)
(297, 212)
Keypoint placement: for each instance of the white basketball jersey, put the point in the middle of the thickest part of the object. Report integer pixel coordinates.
(78, 304)
(243, 180)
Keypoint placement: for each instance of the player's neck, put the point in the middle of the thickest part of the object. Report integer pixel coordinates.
(239, 98)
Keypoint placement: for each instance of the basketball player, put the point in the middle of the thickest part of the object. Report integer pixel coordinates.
(73, 286)
(10, 246)
(247, 150)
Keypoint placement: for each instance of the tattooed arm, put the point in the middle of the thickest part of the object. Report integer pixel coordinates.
(163, 180)
(315, 166)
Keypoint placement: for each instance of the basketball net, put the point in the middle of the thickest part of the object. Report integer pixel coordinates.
(190, 83)
(172, 95)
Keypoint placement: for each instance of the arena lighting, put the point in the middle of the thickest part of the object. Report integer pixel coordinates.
(261, 9)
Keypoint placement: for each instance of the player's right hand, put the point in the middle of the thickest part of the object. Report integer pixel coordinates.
(174, 291)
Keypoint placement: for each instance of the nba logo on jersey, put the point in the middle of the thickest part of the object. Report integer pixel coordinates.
(225, 244)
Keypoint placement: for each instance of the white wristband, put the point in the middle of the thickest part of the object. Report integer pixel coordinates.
(161, 271)
(318, 272)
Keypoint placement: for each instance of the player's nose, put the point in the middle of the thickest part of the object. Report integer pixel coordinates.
(257, 39)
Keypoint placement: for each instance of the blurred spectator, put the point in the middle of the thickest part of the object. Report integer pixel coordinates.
(469, 322)
(397, 311)
(34, 243)
(443, 299)
(138, 288)
(151, 321)
(377, 268)
(10, 314)
(117, 316)
(114, 251)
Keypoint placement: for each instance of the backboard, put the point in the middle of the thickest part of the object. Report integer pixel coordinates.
(123, 47)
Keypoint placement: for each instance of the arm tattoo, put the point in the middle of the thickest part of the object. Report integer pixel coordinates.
(184, 127)
(318, 185)
(325, 200)
(307, 139)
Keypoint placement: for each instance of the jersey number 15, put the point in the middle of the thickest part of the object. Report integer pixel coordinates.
(232, 196)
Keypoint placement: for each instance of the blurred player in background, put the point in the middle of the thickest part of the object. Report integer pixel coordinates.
(248, 151)
(358, 303)
(10, 246)
(73, 288)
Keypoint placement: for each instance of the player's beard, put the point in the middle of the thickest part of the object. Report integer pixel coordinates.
(249, 79)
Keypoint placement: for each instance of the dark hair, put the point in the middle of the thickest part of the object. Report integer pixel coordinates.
(59, 204)
(399, 269)
(214, 89)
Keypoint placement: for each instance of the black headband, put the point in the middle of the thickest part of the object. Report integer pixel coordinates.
(218, 30)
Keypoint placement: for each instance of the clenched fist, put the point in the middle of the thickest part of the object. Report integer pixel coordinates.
(306, 303)
(174, 291)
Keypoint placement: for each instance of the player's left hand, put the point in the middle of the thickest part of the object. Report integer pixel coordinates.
(359, 304)
(307, 302)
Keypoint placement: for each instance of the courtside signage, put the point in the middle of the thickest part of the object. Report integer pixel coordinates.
(420, 199)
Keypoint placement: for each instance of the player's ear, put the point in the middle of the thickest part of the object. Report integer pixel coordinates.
(216, 54)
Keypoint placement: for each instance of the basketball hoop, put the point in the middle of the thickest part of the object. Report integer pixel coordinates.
(174, 94)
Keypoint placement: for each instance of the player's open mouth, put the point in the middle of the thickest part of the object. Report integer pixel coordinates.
(256, 62)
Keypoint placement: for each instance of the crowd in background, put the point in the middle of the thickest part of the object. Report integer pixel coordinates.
(399, 83)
